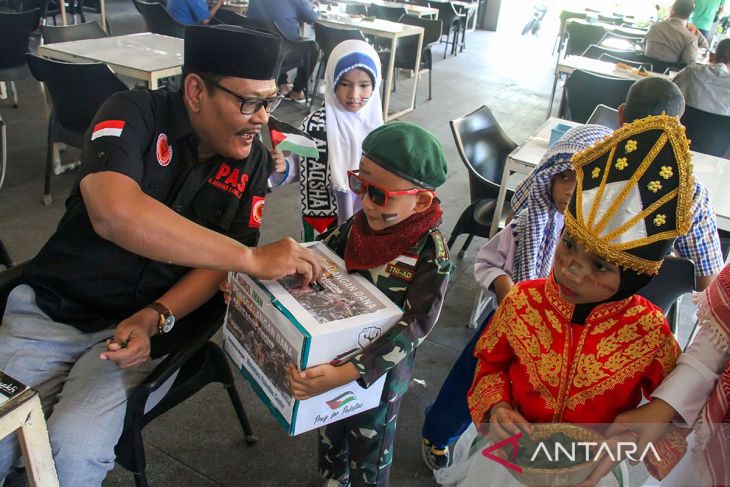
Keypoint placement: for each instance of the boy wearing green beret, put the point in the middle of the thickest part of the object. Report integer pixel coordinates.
(394, 242)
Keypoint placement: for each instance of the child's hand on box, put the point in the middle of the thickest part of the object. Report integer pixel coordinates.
(225, 288)
(320, 379)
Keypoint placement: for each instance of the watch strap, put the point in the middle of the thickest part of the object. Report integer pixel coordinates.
(164, 313)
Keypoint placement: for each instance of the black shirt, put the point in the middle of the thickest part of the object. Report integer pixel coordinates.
(90, 283)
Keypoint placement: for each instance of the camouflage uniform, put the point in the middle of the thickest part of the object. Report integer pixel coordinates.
(361, 447)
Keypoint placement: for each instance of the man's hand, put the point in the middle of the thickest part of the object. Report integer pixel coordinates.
(505, 422)
(279, 161)
(283, 258)
(319, 379)
(131, 343)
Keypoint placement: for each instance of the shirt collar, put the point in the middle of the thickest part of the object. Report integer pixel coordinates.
(178, 119)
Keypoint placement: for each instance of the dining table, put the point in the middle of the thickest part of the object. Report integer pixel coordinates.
(146, 56)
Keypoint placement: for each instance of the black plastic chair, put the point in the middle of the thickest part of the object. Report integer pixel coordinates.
(709, 132)
(407, 48)
(327, 39)
(391, 14)
(159, 20)
(450, 22)
(676, 277)
(199, 362)
(606, 116)
(635, 64)
(584, 91)
(77, 91)
(5, 259)
(15, 30)
(581, 35)
(88, 30)
(565, 15)
(483, 147)
(595, 51)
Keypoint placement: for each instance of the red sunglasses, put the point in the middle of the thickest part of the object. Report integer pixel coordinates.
(377, 195)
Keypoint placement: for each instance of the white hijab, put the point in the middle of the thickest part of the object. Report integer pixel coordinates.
(346, 130)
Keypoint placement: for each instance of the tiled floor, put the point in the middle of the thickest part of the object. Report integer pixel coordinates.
(199, 443)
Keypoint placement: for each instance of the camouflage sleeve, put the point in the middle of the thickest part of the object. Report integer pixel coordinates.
(421, 309)
(336, 238)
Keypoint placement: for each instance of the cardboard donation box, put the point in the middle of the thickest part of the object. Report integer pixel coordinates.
(271, 324)
(9, 387)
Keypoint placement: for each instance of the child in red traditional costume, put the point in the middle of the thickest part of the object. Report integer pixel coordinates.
(580, 346)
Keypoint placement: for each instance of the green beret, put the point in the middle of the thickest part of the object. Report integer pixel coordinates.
(409, 151)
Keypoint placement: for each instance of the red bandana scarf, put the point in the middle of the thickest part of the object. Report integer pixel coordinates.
(366, 248)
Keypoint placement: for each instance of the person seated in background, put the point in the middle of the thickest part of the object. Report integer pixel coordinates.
(193, 12)
(675, 40)
(288, 14)
(523, 250)
(706, 87)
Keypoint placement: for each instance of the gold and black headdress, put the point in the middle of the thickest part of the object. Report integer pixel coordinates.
(634, 193)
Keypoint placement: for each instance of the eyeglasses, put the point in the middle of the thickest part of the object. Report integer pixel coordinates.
(377, 195)
(249, 106)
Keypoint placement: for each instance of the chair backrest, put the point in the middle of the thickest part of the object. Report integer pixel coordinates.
(615, 59)
(709, 132)
(356, 9)
(584, 91)
(581, 35)
(387, 13)
(594, 51)
(606, 116)
(77, 89)
(159, 20)
(88, 30)
(483, 147)
(676, 277)
(329, 37)
(15, 29)
(448, 16)
(405, 54)
(660, 66)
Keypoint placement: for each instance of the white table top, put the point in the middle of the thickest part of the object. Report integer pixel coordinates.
(605, 68)
(712, 171)
(412, 9)
(143, 52)
(376, 27)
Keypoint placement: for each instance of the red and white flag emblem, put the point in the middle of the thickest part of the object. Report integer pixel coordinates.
(164, 150)
(108, 128)
(257, 212)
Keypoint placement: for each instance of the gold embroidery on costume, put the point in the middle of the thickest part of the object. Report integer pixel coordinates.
(487, 393)
(601, 328)
(535, 296)
(549, 368)
(589, 371)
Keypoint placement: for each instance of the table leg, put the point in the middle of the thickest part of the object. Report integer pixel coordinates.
(552, 93)
(500, 199)
(417, 71)
(102, 7)
(153, 83)
(36, 447)
(64, 20)
(389, 79)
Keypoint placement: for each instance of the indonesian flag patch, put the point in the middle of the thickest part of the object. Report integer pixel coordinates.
(108, 128)
(257, 212)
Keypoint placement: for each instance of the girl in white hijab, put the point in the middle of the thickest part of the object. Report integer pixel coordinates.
(351, 110)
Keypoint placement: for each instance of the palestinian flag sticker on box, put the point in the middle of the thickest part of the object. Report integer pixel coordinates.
(284, 137)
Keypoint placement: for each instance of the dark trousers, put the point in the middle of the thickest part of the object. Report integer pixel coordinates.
(301, 54)
(448, 417)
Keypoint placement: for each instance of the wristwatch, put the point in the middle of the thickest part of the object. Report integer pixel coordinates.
(167, 319)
